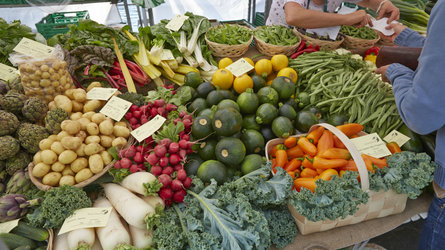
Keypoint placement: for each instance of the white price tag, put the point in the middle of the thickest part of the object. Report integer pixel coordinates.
(116, 108)
(8, 73)
(148, 128)
(167, 55)
(371, 145)
(397, 137)
(176, 23)
(100, 93)
(380, 25)
(332, 32)
(86, 218)
(240, 67)
(32, 48)
(6, 227)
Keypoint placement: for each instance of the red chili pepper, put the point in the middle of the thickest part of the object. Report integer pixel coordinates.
(308, 50)
(310, 46)
(302, 46)
(317, 47)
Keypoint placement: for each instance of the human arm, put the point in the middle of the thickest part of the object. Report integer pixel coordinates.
(384, 7)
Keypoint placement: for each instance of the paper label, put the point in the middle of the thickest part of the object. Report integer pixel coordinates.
(6, 227)
(116, 108)
(8, 73)
(240, 67)
(371, 145)
(380, 25)
(176, 23)
(100, 93)
(397, 137)
(167, 55)
(148, 128)
(332, 32)
(86, 218)
(32, 48)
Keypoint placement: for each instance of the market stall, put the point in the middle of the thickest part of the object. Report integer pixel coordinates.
(188, 134)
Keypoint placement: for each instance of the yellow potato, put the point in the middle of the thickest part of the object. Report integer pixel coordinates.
(77, 106)
(92, 128)
(95, 163)
(88, 114)
(67, 156)
(68, 171)
(123, 124)
(91, 105)
(70, 93)
(120, 131)
(106, 127)
(81, 150)
(106, 157)
(64, 102)
(57, 147)
(71, 127)
(40, 170)
(62, 134)
(92, 139)
(67, 180)
(71, 142)
(119, 142)
(98, 118)
(83, 123)
(93, 148)
(79, 164)
(93, 85)
(52, 179)
(82, 135)
(76, 116)
(37, 158)
(52, 137)
(83, 175)
(52, 105)
(45, 144)
(106, 141)
(79, 95)
(57, 167)
(48, 156)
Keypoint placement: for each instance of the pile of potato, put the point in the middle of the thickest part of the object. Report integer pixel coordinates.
(80, 150)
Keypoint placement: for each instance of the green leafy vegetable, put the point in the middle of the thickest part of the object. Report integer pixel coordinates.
(229, 34)
(281, 225)
(170, 131)
(10, 36)
(277, 35)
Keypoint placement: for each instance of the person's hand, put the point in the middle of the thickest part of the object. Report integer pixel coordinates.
(358, 19)
(397, 27)
(390, 11)
(382, 71)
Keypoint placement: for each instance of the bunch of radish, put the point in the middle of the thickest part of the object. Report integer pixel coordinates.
(137, 116)
(132, 158)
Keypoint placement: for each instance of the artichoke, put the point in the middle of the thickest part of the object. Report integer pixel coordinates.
(15, 206)
(9, 146)
(3, 87)
(17, 162)
(13, 102)
(3, 176)
(30, 135)
(54, 118)
(16, 85)
(2, 165)
(2, 188)
(19, 183)
(34, 109)
(8, 123)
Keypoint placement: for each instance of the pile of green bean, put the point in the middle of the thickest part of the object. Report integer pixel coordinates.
(363, 32)
(338, 84)
(229, 34)
(277, 35)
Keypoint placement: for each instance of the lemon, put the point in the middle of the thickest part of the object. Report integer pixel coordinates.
(263, 67)
(279, 62)
(242, 83)
(223, 79)
(289, 72)
(249, 61)
(223, 63)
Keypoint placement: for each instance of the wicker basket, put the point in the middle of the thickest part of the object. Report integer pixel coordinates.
(272, 49)
(50, 240)
(225, 50)
(358, 45)
(380, 204)
(324, 44)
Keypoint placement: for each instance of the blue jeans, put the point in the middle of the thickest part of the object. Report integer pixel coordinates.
(433, 232)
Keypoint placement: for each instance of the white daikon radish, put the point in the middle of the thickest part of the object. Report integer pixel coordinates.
(61, 242)
(142, 238)
(78, 238)
(142, 183)
(114, 233)
(154, 201)
(133, 209)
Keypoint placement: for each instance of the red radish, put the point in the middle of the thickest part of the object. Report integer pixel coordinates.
(187, 182)
(130, 152)
(159, 103)
(153, 112)
(141, 167)
(176, 185)
(183, 144)
(187, 123)
(152, 159)
(133, 121)
(134, 168)
(182, 113)
(144, 120)
(148, 141)
(173, 148)
(178, 167)
(188, 117)
(174, 159)
(134, 108)
(166, 142)
(173, 92)
(165, 180)
(181, 175)
(185, 137)
(138, 157)
(162, 111)
(125, 162)
(168, 170)
(163, 162)
(182, 153)
(177, 120)
(136, 126)
(144, 109)
(160, 150)
(128, 116)
(117, 165)
(156, 170)
(137, 114)
(140, 148)
(189, 151)
(179, 195)
(170, 107)
(165, 193)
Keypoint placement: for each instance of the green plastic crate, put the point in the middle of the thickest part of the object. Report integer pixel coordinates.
(259, 19)
(57, 23)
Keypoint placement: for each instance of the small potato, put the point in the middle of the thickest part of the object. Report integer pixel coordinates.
(79, 95)
(92, 128)
(67, 171)
(70, 93)
(98, 118)
(67, 180)
(64, 103)
(40, 170)
(37, 158)
(83, 175)
(93, 148)
(95, 163)
(88, 115)
(57, 147)
(120, 131)
(92, 139)
(71, 127)
(57, 167)
(77, 106)
(52, 179)
(119, 142)
(106, 141)
(71, 142)
(91, 105)
(83, 123)
(93, 85)
(79, 164)
(106, 127)
(52, 105)
(106, 157)
(76, 116)
(81, 150)
(45, 144)
(52, 137)
(82, 135)
(67, 156)
(48, 156)
(123, 124)
(62, 134)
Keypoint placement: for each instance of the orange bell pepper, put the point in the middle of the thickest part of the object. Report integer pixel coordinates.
(354, 136)
(292, 174)
(290, 142)
(307, 162)
(315, 135)
(341, 173)
(307, 146)
(350, 128)
(368, 164)
(308, 173)
(326, 142)
(327, 174)
(308, 183)
(336, 153)
(380, 163)
(295, 152)
(281, 158)
(393, 147)
(273, 151)
(292, 165)
(328, 163)
(350, 166)
(338, 143)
